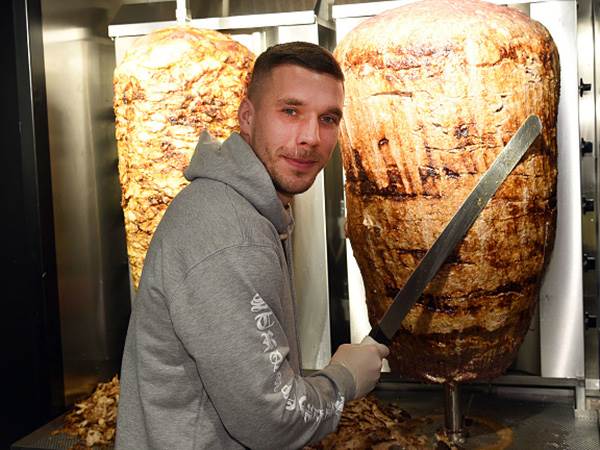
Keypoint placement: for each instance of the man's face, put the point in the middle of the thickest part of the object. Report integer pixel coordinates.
(293, 124)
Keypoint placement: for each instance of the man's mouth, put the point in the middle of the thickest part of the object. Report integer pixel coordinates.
(300, 163)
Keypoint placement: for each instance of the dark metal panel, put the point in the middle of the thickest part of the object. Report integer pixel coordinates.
(33, 384)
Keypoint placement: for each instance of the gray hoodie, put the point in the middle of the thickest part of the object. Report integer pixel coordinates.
(211, 359)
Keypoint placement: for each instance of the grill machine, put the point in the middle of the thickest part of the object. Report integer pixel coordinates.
(556, 371)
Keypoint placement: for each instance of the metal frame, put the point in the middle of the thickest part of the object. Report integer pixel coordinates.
(587, 15)
(288, 14)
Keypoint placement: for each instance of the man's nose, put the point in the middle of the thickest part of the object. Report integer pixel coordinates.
(309, 132)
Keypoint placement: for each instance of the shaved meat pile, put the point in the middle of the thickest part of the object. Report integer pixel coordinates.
(369, 424)
(94, 420)
(376, 424)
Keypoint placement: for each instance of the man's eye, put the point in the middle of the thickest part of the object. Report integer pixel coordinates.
(289, 111)
(330, 120)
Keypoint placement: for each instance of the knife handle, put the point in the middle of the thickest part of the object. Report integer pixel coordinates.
(378, 335)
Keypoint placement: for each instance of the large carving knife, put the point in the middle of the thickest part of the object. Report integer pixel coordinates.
(456, 229)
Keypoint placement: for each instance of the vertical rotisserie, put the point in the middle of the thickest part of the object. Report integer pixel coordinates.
(434, 90)
(172, 84)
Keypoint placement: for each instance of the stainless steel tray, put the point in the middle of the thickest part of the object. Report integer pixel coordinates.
(502, 417)
(497, 417)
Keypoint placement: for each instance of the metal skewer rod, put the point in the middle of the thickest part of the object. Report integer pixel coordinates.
(453, 420)
(182, 13)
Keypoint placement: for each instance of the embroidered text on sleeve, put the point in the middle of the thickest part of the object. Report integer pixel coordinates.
(265, 320)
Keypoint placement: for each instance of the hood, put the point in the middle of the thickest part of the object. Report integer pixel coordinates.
(234, 163)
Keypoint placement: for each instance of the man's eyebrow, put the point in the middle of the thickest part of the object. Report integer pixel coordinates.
(290, 101)
(297, 102)
(337, 111)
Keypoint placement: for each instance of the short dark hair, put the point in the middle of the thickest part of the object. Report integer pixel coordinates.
(304, 54)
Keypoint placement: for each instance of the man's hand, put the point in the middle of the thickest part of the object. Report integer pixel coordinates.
(364, 362)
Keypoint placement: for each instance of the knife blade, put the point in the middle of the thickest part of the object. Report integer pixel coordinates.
(455, 230)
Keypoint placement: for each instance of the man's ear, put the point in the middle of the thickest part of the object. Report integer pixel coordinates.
(246, 117)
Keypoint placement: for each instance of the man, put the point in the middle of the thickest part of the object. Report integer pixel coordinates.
(212, 354)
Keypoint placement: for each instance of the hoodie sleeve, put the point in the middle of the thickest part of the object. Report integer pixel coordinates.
(226, 315)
